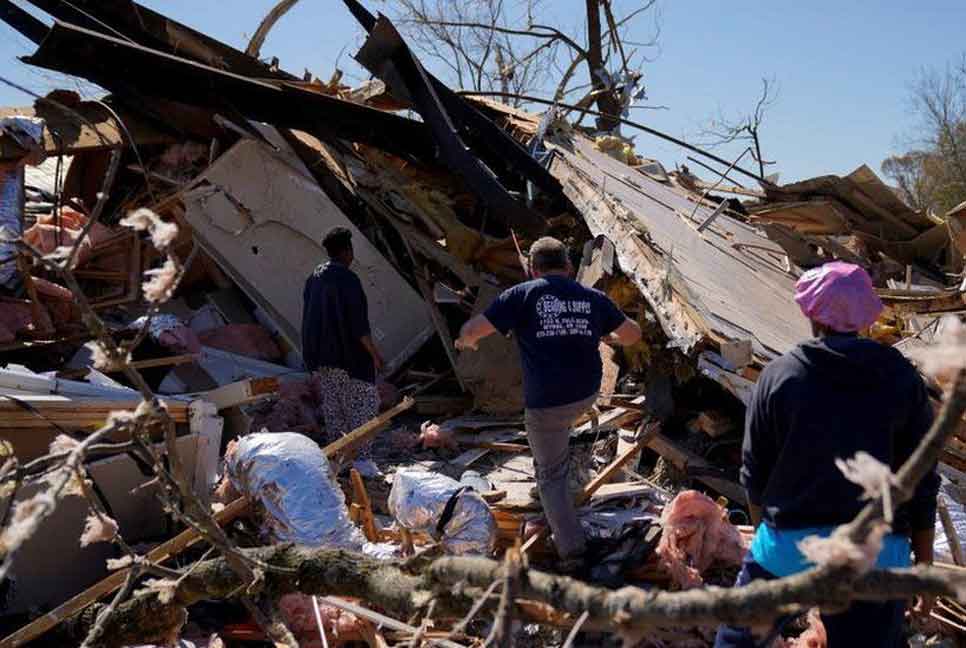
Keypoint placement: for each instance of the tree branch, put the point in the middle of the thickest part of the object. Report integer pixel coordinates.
(390, 586)
(255, 44)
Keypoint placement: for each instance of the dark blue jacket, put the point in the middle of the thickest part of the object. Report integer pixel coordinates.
(828, 399)
(335, 316)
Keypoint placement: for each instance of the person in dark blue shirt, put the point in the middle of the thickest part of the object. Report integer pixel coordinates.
(558, 325)
(833, 398)
(337, 343)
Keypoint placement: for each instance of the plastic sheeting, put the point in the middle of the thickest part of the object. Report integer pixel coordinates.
(27, 132)
(954, 496)
(417, 502)
(289, 476)
(170, 332)
(11, 221)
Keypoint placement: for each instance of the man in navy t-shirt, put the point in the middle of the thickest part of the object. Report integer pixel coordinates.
(558, 325)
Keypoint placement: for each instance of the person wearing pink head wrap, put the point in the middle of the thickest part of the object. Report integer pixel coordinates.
(831, 398)
(839, 297)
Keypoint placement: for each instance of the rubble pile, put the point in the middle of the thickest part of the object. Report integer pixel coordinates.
(246, 167)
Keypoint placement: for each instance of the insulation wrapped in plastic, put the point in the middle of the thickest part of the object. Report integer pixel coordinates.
(288, 474)
(419, 500)
(28, 133)
(11, 222)
(955, 498)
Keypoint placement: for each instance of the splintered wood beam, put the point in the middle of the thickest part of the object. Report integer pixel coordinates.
(360, 497)
(616, 418)
(442, 328)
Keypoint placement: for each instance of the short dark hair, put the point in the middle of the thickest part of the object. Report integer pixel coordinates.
(336, 241)
(548, 254)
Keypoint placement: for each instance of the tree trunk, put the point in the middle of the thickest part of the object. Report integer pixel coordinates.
(607, 101)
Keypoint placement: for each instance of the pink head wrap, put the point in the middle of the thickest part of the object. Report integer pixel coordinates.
(839, 295)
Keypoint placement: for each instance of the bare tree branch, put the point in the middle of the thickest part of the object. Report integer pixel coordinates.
(255, 44)
(747, 128)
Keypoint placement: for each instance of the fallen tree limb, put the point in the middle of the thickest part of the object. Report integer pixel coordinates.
(456, 582)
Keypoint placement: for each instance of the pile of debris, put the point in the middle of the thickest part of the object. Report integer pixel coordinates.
(246, 166)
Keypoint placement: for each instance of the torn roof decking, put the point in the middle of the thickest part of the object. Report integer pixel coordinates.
(151, 29)
(725, 283)
(868, 204)
(122, 67)
(468, 142)
(81, 127)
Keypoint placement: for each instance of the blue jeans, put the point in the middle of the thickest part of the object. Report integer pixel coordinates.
(865, 623)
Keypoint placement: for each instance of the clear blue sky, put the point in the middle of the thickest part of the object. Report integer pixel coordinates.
(843, 67)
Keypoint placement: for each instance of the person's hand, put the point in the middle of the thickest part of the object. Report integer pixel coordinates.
(462, 344)
(379, 363)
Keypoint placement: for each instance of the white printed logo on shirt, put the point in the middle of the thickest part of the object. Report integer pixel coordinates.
(560, 317)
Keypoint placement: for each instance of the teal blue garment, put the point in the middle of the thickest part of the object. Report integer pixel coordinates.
(777, 550)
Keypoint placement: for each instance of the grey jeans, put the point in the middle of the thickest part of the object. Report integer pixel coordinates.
(548, 430)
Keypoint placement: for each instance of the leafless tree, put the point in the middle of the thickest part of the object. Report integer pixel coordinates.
(914, 184)
(722, 130)
(502, 46)
(937, 159)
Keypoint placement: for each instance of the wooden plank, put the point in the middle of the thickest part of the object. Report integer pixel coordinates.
(442, 328)
(481, 449)
(72, 413)
(498, 446)
(615, 419)
(242, 392)
(360, 497)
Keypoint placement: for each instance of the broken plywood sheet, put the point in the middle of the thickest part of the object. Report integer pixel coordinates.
(262, 217)
(727, 282)
(807, 217)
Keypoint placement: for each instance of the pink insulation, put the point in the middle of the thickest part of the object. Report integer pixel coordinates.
(46, 236)
(297, 409)
(340, 626)
(18, 317)
(180, 339)
(249, 340)
(813, 637)
(433, 436)
(696, 535)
